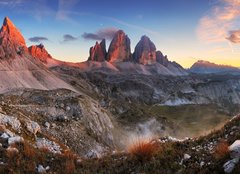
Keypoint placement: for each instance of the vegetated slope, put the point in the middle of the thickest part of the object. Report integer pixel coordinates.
(204, 155)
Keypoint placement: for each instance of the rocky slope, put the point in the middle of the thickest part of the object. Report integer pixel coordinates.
(18, 69)
(205, 67)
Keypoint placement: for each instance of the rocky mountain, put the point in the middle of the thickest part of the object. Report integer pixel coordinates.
(119, 49)
(18, 68)
(145, 51)
(12, 43)
(98, 52)
(206, 67)
(39, 52)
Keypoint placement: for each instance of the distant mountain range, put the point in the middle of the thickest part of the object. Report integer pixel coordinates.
(205, 67)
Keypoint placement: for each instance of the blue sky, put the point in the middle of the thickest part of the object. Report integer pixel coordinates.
(185, 30)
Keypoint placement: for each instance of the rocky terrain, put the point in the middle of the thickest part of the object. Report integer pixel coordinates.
(80, 117)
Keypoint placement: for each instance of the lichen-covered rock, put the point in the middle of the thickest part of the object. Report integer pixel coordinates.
(11, 121)
(50, 145)
(33, 127)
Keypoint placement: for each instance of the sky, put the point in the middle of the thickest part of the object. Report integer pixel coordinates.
(184, 30)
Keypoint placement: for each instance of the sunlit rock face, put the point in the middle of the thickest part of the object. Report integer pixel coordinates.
(145, 51)
(98, 52)
(119, 49)
(39, 52)
(12, 43)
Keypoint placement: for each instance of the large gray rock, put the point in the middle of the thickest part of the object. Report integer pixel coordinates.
(119, 49)
(230, 165)
(235, 149)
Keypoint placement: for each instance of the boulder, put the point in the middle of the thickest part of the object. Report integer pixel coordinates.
(235, 149)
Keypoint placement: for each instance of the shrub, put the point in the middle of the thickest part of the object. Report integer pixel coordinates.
(143, 149)
(221, 150)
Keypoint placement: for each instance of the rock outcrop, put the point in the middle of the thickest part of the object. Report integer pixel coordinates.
(12, 43)
(119, 49)
(98, 52)
(160, 58)
(39, 52)
(145, 51)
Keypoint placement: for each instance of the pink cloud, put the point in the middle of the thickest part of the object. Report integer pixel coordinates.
(216, 24)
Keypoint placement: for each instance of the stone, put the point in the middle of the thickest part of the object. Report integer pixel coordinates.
(16, 139)
(92, 154)
(235, 149)
(119, 49)
(12, 121)
(33, 127)
(145, 51)
(98, 52)
(230, 165)
(50, 145)
(202, 163)
(4, 135)
(41, 169)
(186, 156)
(47, 125)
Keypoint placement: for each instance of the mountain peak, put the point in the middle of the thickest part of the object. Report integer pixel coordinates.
(119, 49)
(145, 51)
(39, 52)
(12, 42)
(98, 52)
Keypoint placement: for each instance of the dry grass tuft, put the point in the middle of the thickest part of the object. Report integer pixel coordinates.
(69, 162)
(143, 149)
(221, 150)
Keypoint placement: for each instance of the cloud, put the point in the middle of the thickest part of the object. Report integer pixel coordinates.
(63, 7)
(11, 3)
(38, 39)
(234, 36)
(105, 33)
(69, 38)
(216, 24)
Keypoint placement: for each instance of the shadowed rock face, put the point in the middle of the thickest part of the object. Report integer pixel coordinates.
(39, 52)
(119, 49)
(145, 51)
(12, 42)
(160, 58)
(98, 52)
